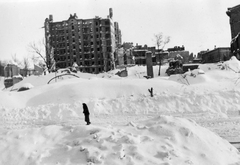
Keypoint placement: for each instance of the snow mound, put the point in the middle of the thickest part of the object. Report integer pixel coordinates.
(160, 140)
(209, 67)
(232, 64)
(189, 78)
(27, 85)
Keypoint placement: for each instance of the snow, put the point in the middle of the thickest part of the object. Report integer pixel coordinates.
(27, 85)
(189, 119)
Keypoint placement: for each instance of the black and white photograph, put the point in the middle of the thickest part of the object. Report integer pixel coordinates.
(120, 82)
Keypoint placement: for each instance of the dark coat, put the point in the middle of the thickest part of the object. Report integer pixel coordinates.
(85, 109)
(86, 113)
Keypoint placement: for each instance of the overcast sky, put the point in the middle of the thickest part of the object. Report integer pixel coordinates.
(196, 24)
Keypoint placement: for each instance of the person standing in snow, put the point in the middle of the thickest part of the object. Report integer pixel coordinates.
(86, 113)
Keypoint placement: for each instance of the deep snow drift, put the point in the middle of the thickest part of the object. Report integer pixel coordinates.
(44, 125)
(161, 140)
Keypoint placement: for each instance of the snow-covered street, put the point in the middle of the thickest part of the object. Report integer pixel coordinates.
(183, 123)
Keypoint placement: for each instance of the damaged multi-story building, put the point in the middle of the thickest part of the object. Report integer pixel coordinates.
(234, 20)
(89, 43)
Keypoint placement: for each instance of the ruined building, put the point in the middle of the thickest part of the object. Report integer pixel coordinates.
(234, 15)
(89, 43)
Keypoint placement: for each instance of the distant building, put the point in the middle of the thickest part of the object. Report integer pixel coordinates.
(139, 53)
(216, 55)
(234, 15)
(124, 54)
(120, 57)
(177, 50)
(91, 43)
(1, 69)
(11, 70)
(37, 70)
(199, 55)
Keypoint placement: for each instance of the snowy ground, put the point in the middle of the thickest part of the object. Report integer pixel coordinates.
(189, 120)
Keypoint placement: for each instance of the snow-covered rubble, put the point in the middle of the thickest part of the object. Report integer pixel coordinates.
(45, 125)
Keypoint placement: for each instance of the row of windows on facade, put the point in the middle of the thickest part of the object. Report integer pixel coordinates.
(87, 59)
(85, 56)
(81, 44)
(79, 30)
(85, 63)
(84, 29)
(79, 22)
(87, 69)
(56, 39)
(85, 50)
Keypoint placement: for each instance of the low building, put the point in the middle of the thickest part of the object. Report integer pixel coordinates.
(177, 50)
(139, 54)
(37, 70)
(1, 69)
(11, 70)
(217, 55)
(199, 55)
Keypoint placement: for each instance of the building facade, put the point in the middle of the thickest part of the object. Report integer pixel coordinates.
(177, 50)
(139, 54)
(234, 15)
(90, 43)
(125, 56)
(216, 55)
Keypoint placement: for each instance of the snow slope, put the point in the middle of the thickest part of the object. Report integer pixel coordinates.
(161, 140)
(44, 125)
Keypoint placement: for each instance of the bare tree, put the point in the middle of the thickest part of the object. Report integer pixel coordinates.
(38, 51)
(26, 63)
(160, 42)
(16, 60)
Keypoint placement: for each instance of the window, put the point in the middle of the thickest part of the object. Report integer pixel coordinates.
(107, 35)
(109, 49)
(107, 29)
(107, 22)
(108, 43)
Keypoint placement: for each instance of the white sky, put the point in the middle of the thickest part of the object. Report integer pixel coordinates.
(196, 24)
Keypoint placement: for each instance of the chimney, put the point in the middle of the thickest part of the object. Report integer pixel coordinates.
(50, 17)
(110, 12)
